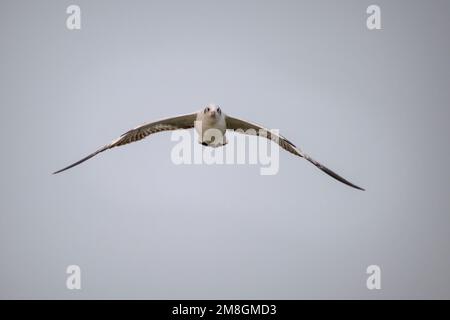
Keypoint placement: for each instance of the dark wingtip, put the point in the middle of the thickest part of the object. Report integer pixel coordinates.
(341, 179)
(359, 188)
(82, 160)
(332, 173)
(344, 181)
(61, 170)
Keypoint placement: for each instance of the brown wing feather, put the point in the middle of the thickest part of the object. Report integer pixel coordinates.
(238, 124)
(140, 132)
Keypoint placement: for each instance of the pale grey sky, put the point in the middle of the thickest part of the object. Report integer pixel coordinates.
(372, 105)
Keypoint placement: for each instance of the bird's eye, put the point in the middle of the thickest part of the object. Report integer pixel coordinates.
(206, 109)
(219, 111)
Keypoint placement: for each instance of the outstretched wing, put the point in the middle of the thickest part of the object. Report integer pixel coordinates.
(243, 126)
(140, 132)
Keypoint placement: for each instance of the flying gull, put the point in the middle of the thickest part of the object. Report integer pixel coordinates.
(211, 117)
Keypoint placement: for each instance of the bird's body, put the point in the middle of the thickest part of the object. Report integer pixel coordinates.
(211, 125)
(211, 122)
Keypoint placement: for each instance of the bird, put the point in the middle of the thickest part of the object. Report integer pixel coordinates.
(210, 117)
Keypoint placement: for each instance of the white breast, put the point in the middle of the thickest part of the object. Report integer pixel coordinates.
(203, 126)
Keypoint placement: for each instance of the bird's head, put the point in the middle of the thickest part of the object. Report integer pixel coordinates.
(212, 111)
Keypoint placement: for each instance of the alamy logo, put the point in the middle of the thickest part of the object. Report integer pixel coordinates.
(236, 150)
(73, 281)
(374, 20)
(73, 21)
(374, 280)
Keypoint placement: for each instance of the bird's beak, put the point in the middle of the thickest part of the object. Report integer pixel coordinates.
(213, 114)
